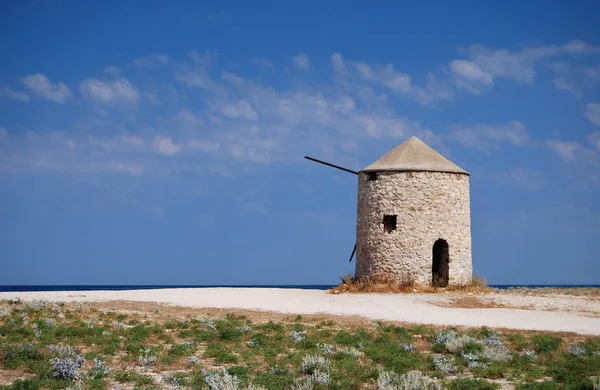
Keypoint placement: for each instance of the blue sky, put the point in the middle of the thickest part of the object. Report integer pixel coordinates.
(162, 142)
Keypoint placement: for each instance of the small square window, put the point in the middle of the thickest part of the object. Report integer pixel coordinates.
(371, 176)
(389, 223)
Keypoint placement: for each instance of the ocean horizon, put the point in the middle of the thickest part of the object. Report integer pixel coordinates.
(92, 287)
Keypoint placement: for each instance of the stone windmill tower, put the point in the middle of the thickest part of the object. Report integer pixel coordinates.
(413, 219)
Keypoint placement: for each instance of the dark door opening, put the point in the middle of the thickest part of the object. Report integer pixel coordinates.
(440, 267)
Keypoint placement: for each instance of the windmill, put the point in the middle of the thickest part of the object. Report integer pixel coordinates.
(341, 169)
(413, 219)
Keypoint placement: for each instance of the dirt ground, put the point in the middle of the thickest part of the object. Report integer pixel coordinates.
(550, 310)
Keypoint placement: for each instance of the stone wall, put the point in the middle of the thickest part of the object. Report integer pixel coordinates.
(429, 206)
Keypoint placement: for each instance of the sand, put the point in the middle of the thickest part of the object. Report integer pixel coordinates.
(554, 312)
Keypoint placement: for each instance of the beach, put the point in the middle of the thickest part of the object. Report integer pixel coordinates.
(554, 312)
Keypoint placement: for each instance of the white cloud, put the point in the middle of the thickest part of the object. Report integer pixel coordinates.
(60, 152)
(110, 92)
(240, 109)
(165, 145)
(197, 75)
(261, 62)
(504, 63)
(575, 152)
(565, 150)
(230, 122)
(594, 139)
(523, 178)
(580, 47)
(112, 70)
(433, 92)
(344, 104)
(194, 78)
(566, 85)
(253, 150)
(592, 75)
(189, 118)
(119, 167)
(152, 61)
(378, 127)
(484, 64)
(396, 81)
(204, 59)
(487, 137)
(470, 76)
(564, 79)
(41, 86)
(399, 83)
(592, 113)
(514, 133)
(337, 61)
(301, 62)
(203, 145)
(10, 94)
(124, 143)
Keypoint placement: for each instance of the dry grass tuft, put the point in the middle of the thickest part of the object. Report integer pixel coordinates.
(478, 285)
(472, 302)
(351, 284)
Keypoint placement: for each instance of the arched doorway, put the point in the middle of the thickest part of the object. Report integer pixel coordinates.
(440, 264)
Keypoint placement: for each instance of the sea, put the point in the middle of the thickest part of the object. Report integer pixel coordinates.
(25, 288)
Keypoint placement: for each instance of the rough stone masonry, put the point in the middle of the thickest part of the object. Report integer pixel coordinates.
(413, 220)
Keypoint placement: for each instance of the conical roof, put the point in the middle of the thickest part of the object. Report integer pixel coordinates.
(414, 155)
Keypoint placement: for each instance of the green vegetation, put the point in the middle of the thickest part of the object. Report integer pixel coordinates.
(59, 346)
(472, 384)
(544, 343)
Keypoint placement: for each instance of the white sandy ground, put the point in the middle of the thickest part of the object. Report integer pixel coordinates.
(558, 313)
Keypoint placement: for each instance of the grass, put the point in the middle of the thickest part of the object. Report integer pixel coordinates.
(144, 350)
(472, 384)
(351, 284)
(544, 343)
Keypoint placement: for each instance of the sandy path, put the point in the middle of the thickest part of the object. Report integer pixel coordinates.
(415, 308)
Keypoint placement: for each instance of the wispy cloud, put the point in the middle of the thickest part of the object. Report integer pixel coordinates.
(576, 152)
(108, 93)
(223, 119)
(470, 76)
(594, 139)
(112, 70)
(261, 62)
(8, 93)
(60, 152)
(41, 86)
(235, 122)
(578, 46)
(204, 59)
(488, 137)
(240, 109)
(152, 61)
(387, 77)
(522, 178)
(592, 75)
(337, 62)
(165, 145)
(564, 149)
(564, 79)
(485, 64)
(592, 113)
(301, 62)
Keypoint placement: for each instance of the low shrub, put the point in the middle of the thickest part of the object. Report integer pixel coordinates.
(545, 343)
(472, 384)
